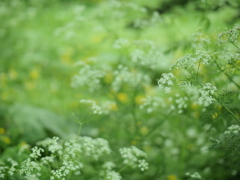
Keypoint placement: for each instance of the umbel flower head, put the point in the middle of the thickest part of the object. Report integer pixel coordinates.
(165, 82)
(206, 94)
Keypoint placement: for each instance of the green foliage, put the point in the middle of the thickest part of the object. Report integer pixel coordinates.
(133, 90)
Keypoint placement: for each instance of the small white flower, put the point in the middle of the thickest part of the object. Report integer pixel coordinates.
(206, 94)
(143, 165)
(166, 81)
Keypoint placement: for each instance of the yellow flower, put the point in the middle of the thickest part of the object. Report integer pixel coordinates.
(108, 78)
(2, 130)
(138, 99)
(172, 177)
(113, 107)
(34, 74)
(122, 97)
(194, 106)
(6, 139)
(215, 115)
(133, 143)
(144, 130)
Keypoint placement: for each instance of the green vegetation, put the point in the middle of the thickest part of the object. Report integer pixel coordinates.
(117, 89)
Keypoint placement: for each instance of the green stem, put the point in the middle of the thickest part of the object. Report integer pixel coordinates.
(79, 129)
(197, 70)
(124, 167)
(235, 45)
(230, 78)
(238, 120)
(222, 104)
(231, 113)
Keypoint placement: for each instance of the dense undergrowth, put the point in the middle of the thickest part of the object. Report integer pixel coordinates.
(119, 90)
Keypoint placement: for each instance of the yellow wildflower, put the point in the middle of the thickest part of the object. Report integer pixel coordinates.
(138, 99)
(172, 177)
(34, 74)
(108, 78)
(2, 130)
(6, 139)
(113, 107)
(194, 106)
(215, 115)
(122, 97)
(144, 130)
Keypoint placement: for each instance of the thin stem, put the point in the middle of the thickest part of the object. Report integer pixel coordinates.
(231, 113)
(79, 129)
(238, 120)
(235, 45)
(124, 167)
(230, 78)
(222, 104)
(198, 70)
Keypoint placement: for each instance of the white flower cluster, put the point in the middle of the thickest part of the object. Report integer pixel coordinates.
(3, 169)
(96, 109)
(142, 164)
(203, 56)
(146, 54)
(233, 129)
(181, 103)
(12, 169)
(95, 148)
(51, 144)
(63, 159)
(143, 23)
(9, 170)
(30, 169)
(200, 40)
(206, 94)
(112, 175)
(184, 62)
(108, 165)
(165, 82)
(67, 167)
(120, 43)
(149, 59)
(108, 173)
(232, 57)
(47, 160)
(88, 74)
(195, 175)
(232, 65)
(229, 36)
(67, 152)
(189, 61)
(137, 55)
(124, 76)
(151, 104)
(36, 152)
(131, 157)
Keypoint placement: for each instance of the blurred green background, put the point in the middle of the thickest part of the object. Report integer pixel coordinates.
(41, 43)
